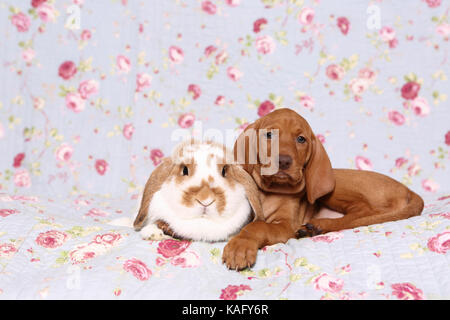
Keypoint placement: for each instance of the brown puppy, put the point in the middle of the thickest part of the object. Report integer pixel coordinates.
(304, 187)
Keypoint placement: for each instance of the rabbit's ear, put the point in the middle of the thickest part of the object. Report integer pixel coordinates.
(157, 178)
(251, 189)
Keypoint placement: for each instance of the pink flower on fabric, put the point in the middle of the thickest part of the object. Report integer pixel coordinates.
(186, 120)
(187, 259)
(363, 163)
(306, 16)
(209, 7)
(195, 91)
(265, 108)
(156, 156)
(143, 80)
(265, 44)
(328, 237)
(387, 34)
(64, 152)
(335, 72)
(123, 63)
(433, 3)
(410, 90)
(137, 268)
(343, 24)
(7, 250)
(17, 162)
(75, 102)
(22, 178)
(327, 283)
(51, 239)
(21, 21)
(170, 248)
(101, 166)
(440, 243)
(396, 117)
(420, 107)
(259, 24)
(88, 88)
(7, 212)
(231, 292)
(234, 73)
(67, 70)
(128, 131)
(176, 54)
(407, 291)
(430, 185)
(447, 138)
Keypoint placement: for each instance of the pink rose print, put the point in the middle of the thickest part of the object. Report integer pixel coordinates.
(186, 259)
(209, 7)
(46, 12)
(176, 54)
(327, 283)
(307, 101)
(101, 166)
(195, 91)
(335, 72)
(28, 55)
(234, 73)
(363, 163)
(64, 152)
(233, 3)
(143, 80)
(433, 3)
(209, 50)
(265, 108)
(221, 57)
(440, 243)
(156, 155)
(18, 160)
(37, 3)
(429, 185)
(447, 138)
(75, 102)
(396, 117)
(265, 44)
(186, 120)
(7, 250)
(343, 24)
(94, 212)
(306, 16)
(359, 85)
(88, 88)
(128, 131)
(123, 63)
(220, 100)
(399, 162)
(51, 239)
(443, 29)
(259, 24)
(22, 178)
(170, 248)
(137, 268)
(21, 21)
(387, 34)
(107, 239)
(67, 70)
(410, 90)
(407, 291)
(413, 170)
(86, 35)
(328, 237)
(367, 74)
(420, 107)
(232, 292)
(7, 212)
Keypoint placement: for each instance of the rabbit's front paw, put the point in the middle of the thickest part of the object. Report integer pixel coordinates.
(152, 232)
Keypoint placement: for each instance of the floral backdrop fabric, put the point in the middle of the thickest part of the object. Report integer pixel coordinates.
(91, 93)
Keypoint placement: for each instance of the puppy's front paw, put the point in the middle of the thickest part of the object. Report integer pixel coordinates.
(152, 232)
(240, 253)
(308, 230)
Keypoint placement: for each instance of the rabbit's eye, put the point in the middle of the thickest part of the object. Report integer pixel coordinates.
(224, 171)
(185, 171)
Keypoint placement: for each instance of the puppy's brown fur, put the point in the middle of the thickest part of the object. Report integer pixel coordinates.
(293, 197)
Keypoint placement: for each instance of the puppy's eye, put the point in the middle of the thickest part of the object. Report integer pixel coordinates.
(224, 171)
(185, 171)
(269, 135)
(301, 139)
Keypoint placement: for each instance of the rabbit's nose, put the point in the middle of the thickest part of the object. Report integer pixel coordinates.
(205, 204)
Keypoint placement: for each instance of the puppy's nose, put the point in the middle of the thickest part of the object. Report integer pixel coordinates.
(284, 161)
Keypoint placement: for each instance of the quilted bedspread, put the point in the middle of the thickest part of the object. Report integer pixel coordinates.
(61, 248)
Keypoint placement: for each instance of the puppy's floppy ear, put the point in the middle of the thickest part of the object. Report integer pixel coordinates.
(318, 172)
(251, 189)
(246, 147)
(157, 178)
